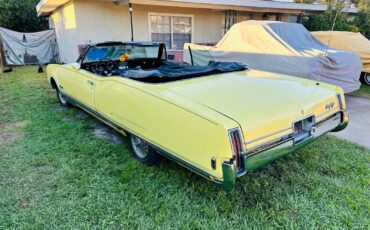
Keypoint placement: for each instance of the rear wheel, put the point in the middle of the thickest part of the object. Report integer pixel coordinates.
(365, 78)
(62, 99)
(143, 151)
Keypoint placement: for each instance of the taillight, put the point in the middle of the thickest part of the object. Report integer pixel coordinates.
(236, 144)
(340, 102)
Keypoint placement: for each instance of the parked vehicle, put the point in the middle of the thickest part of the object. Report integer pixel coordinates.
(220, 120)
(354, 42)
(287, 48)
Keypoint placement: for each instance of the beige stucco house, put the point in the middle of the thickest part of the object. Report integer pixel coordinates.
(174, 22)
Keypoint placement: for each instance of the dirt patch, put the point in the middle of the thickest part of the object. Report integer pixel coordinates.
(57, 107)
(11, 132)
(67, 118)
(103, 132)
(81, 115)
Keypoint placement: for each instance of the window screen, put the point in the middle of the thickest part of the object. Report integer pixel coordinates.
(173, 31)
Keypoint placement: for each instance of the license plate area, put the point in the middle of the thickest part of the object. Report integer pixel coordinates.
(327, 125)
(303, 129)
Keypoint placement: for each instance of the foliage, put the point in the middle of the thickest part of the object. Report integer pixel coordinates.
(325, 21)
(362, 4)
(56, 174)
(364, 91)
(362, 21)
(21, 15)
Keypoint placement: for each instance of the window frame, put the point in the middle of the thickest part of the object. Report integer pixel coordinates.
(171, 25)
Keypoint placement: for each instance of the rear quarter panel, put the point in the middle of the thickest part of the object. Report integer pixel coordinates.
(188, 136)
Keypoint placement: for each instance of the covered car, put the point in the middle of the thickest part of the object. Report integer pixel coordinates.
(287, 48)
(354, 42)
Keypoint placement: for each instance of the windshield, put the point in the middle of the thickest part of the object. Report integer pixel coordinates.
(114, 52)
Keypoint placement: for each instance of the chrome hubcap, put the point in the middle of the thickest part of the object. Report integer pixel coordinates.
(140, 146)
(62, 98)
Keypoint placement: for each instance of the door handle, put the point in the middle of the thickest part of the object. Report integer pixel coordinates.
(90, 82)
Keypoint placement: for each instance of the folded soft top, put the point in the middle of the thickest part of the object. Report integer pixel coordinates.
(175, 70)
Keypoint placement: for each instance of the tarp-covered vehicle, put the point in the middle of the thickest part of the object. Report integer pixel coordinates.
(354, 42)
(287, 48)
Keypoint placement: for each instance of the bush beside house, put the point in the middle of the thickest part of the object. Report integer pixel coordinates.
(324, 22)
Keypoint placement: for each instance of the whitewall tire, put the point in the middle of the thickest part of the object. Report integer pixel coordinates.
(62, 99)
(365, 78)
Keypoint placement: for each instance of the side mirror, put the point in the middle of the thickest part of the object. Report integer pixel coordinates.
(76, 66)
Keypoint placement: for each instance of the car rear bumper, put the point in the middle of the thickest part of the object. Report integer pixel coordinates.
(255, 160)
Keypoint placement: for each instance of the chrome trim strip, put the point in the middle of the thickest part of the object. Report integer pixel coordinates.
(276, 142)
(240, 137)
(270, 143)
(267, 135)
(232, 146)
(324, 113)
(274, 145)
(290, 128)
(166, 153)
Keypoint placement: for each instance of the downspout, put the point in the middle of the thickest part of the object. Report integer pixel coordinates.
(131, 22)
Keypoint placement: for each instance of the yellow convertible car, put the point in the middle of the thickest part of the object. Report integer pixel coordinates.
(221, 120)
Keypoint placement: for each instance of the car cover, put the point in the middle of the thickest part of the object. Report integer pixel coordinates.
(287, 48)
(354, 42)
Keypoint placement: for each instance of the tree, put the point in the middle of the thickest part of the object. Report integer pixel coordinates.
(362, 20)
(21, 15)
(363, 5)
(325, 21)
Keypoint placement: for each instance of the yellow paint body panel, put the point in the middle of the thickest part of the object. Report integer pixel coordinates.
(190, 118)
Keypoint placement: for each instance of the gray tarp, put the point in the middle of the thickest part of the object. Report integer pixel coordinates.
(29, 48)
(286, 48)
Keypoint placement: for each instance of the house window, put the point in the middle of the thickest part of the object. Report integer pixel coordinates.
(173, 31)
(231, 17)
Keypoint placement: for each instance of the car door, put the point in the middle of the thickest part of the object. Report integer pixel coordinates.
(79, 84)
(84, 90)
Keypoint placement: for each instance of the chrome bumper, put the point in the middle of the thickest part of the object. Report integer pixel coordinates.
(258, 159)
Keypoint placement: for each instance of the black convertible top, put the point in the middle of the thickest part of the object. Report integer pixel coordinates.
(170, 71)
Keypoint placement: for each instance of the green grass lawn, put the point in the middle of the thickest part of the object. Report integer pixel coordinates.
(364, 91)
(57, 173)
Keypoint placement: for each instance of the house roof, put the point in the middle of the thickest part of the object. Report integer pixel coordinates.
(45, 7)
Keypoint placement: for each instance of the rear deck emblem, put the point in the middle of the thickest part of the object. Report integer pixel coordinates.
(329, 106)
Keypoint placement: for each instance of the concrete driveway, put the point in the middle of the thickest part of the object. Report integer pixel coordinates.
(358, 129)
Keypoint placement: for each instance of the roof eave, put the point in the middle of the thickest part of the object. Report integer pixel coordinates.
(46, 7)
